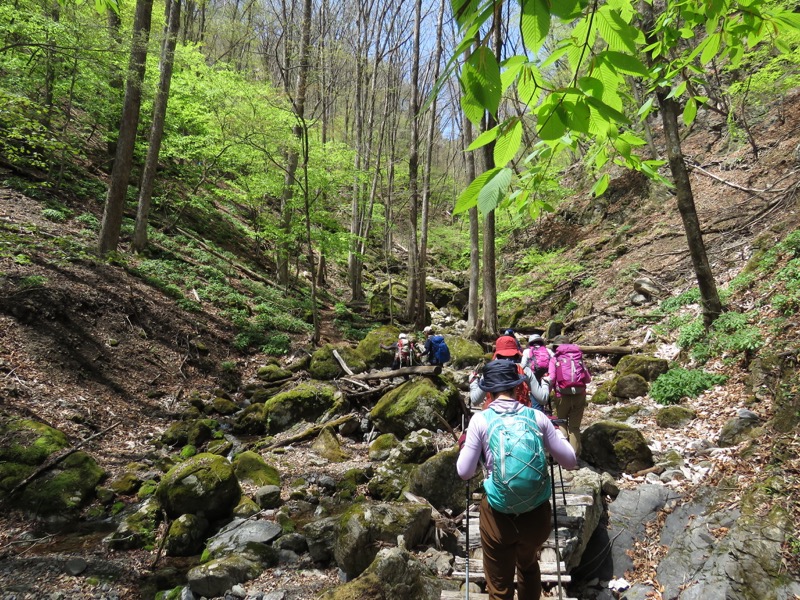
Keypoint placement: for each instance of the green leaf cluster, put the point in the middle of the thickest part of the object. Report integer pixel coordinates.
(679, 383)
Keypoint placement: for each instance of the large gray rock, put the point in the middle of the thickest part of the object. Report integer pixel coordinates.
(438, 292)
(738, 429)
(393, 575)
(204, 485)
(366, 524)
(307, 401)
(321, 537)
(720, 554)
(238, 536)
(391, 476)
(137, 529)
(615, 447)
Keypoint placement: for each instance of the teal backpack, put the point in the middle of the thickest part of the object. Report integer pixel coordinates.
(520, 480)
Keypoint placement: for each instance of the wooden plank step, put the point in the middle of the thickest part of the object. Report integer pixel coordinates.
(481, 578)
(476, 566)
(461, 595)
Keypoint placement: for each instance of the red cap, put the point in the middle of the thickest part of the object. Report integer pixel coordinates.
(506, 345)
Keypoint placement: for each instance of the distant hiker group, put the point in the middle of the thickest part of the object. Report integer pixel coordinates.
(407, 353)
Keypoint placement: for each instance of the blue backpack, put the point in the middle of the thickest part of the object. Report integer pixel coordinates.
(440, 353)
(520, 480)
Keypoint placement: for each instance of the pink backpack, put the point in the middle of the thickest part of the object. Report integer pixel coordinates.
(571, 374)
(539, 357)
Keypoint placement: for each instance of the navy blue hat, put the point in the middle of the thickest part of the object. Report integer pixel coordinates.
(500, 375)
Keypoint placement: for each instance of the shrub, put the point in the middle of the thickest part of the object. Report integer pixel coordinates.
(678, 383)
(691, 296)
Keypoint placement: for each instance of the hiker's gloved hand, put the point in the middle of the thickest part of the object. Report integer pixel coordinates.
(473, 375)
(461, 439)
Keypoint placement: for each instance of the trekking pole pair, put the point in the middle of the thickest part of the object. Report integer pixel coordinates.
(555, 524)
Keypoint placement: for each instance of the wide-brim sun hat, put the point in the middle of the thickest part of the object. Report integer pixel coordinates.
(402, 336)
(500, 375)
(506, 346)
(559, 339)
(535, 338)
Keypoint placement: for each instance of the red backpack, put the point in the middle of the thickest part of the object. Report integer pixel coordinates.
(571, 374)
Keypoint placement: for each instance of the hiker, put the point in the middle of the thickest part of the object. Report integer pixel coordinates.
(537, 356)
(435, 348)
(404, 351)
(510, 332)
(505, 348)
(569, 376)
(515, 512)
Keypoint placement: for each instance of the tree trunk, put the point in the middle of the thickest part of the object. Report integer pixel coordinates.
(157, 128)
(709, 298)
(489, 272)
(420, 320)
(115, 82)
(118, 187)
(413, 171)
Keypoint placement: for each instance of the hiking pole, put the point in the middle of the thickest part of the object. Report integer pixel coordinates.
(555, 527)
(466, 515)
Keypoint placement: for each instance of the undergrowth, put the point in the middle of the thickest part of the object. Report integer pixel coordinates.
(679, 383)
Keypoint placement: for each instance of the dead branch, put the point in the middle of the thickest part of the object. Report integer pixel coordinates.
(341, 362)
(607, 349)
(54, 460)
(310, 432)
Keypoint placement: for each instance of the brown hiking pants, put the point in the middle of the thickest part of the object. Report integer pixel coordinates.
(571, 407)
(512, 542)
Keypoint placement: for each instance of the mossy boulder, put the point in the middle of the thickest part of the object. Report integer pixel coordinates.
(204, 485)
(192, 432)
(382, 303)
(370, 347)
(347, 486)
(380, 448)
(250, 420)
(250, 467)
(602, 395)
(126, 484)
(438, 482)
(391, 477)
(307, 401)
(138, 529)
(630, 386)
(623, 413)
(394, 574)
(324, 365)
(615, 447)
(223, 406)
(272, 372)
(674, 417)
(64, 488)
(414, 405)
(464, 353)
(216, 577)
(644, 365)
(328, 447)
(439, 292)
(363, 526)
(186, 536)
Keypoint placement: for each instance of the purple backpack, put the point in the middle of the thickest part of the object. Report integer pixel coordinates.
(571, 374)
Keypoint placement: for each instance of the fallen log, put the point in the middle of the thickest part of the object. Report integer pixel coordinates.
(341, 362)
(607, 350)
(310, 432)
(403, 371)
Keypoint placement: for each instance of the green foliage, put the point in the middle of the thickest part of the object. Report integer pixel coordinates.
(731, 334)
(52, 214)
(89, 220)
(576, 88)
(450, 245)
(691, 296)
(678, 383)
(540, 272)
(31, 282)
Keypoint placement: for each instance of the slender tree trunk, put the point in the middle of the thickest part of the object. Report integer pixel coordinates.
(489, 272)
(420, 318)
(709, 297)
(474, 324)
(115, 81)
(413, 171)
(118, 187)
(139, 241)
